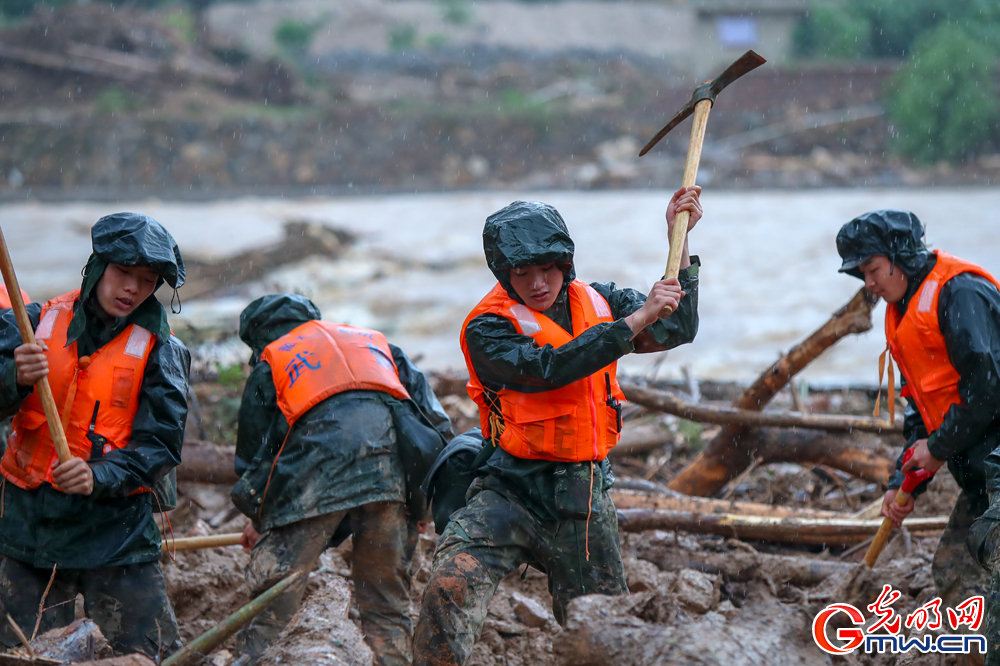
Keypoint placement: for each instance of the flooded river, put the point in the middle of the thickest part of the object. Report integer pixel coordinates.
(769, 263)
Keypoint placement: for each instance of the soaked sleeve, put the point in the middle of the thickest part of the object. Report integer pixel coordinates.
(504, 358)
(969, 312)
(259, 415)
(11, 395)
(913, 430)
(678, 329)
(421, 392)
(158, 427)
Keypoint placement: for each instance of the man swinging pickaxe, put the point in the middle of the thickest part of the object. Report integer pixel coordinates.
(699, 104)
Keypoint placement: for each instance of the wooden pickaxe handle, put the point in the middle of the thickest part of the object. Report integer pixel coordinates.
(28, 336)
(679, 235)
(882, 536)
(913, 478)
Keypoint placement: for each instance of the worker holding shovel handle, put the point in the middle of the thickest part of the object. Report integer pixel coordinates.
(898, 503)
(942, 328)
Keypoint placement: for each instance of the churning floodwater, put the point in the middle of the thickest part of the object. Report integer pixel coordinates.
(768, 278)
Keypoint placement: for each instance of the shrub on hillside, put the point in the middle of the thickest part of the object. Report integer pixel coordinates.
(944, 101)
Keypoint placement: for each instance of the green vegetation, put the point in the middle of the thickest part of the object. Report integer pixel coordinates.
(945, 99)
(403, 37)
(294, 35)
(115, 99)
(859, 29)
(458, 12)
(232, 376)
(183, 23)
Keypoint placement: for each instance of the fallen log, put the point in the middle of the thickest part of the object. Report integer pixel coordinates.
(727, 454)
(831, 532)
(628, 499)
(855, 455)
(746, 564)
(205, 462)
(670, 403)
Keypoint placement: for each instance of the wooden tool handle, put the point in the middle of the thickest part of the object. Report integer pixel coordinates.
(28, 336)
(679, 235)
(882, 536)
(197, 543)
(698, 126)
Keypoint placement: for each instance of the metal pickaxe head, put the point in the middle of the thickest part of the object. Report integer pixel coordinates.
(708, 90)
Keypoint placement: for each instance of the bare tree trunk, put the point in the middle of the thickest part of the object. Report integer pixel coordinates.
(664, 401)
(728, 454)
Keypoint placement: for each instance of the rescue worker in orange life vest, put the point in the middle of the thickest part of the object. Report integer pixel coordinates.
(942, 326)
(541, 349)
(119, 378)
(322, 448)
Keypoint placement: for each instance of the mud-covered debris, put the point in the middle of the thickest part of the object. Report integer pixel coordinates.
(80, 641)
(321, 633)
(529, 611)
(697, 591)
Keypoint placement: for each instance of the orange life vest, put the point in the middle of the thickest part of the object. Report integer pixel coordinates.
(319, 359)
(574, 423)
(5, 303)
(917, 344)
(112, 375)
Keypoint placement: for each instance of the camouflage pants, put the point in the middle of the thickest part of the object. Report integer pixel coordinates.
(383, 546)
(129, 604)
(957, 575)
(486, 541)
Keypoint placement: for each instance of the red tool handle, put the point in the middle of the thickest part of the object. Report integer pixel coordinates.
(915, 476)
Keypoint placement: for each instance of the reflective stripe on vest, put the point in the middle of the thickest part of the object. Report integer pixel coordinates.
(573, 423)
(319, 359)
(113, 375)
(918, 346)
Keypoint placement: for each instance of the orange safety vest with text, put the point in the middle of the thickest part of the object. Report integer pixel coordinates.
(574, 423)
(918, 346)
(112, 375)
(319, 359)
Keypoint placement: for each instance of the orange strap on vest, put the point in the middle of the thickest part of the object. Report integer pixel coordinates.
(319, 359)
(574, 423)
(918, 346)
(112, 375)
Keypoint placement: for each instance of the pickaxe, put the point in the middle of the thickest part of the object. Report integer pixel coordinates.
(912, 479)
(699, 104)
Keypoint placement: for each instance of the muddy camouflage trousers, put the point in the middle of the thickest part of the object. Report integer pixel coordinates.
(129, 603)
(957, 575)
(487, 540)
(383, 546)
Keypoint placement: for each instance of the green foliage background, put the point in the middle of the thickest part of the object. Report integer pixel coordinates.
(943, 101)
